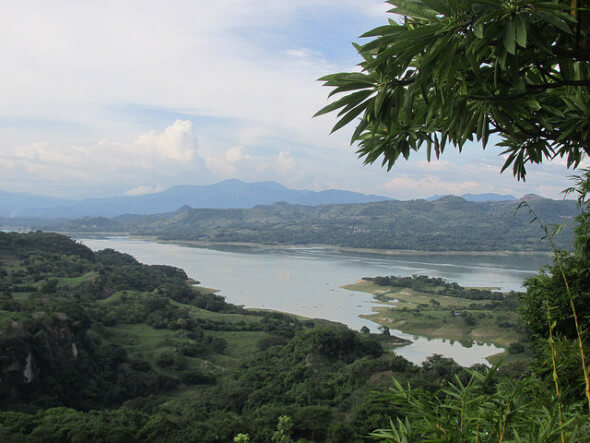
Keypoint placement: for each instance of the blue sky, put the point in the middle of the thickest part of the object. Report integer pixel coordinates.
(111, 98)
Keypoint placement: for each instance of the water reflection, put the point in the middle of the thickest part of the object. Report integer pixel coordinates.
(305, 281)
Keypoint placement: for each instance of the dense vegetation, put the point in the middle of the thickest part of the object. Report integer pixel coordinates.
(96, 346)
(548, 402)
(519, 70)
(449, 224)
(436, 285)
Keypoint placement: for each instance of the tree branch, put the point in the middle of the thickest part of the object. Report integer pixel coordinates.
(530, 89)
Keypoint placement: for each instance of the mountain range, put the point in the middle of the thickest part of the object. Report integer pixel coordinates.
(223, 195)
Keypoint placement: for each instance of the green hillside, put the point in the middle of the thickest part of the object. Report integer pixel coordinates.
(448, 224)
(97, 346)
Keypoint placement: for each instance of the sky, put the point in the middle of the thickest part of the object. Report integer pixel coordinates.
(133, 97)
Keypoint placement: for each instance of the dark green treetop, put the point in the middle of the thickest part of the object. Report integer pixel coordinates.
(450, 71)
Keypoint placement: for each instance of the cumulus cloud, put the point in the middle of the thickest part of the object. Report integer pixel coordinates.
(151, 155)
(237, 154)
(176, 143)
(235, 160)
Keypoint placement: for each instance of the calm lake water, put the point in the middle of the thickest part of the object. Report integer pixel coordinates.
(306, 281)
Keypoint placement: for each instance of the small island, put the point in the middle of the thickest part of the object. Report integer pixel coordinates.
(435, 308)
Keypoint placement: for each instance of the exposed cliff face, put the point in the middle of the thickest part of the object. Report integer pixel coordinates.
(29, 371)
(30, 355)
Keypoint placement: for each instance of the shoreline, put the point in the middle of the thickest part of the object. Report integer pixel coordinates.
(405, 321)
(394, 341)
(394, 252)
(334, 248)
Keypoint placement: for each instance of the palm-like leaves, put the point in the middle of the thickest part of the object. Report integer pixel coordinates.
(460, 70)
(481, 410)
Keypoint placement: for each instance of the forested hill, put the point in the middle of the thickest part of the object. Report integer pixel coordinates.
(95, 346)
(448, 224)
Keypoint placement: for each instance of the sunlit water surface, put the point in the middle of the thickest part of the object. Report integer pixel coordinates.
(306, 281)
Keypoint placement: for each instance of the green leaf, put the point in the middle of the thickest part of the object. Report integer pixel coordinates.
(521, 24)
(349, 116)
(350, 100)
(440, 6)
(485, 134)
(478, 30)
(555, 21)
(350, 87)
(509, 37)
(379, 98)
(413, 10)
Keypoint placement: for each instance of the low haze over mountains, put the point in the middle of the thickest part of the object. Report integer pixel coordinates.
(222, 195)
(489, 197)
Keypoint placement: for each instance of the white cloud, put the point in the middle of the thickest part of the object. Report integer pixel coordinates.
(286, 162)
(235, 160)
(143, 189)
(177, 142)
(430, 185)
(252, 67)
(300, 53)
(237, 154)
(151, 156)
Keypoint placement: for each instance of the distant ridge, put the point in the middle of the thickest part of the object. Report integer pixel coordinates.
(222, 195)
(529, 198)
(448, 224)
(488, 197)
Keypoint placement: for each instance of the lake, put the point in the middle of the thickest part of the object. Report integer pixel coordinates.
(305, 281)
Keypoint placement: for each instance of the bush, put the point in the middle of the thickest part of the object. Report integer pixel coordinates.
(197, 378)
(268, 342)
(191, 349)
(170, 360)
(516, 348)
(219, 344)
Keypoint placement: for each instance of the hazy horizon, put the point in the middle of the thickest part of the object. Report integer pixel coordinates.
(114, 99)
(181, 185)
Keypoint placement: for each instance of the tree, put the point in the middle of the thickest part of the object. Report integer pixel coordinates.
(452, 71)
(284, 430)
(459, 70)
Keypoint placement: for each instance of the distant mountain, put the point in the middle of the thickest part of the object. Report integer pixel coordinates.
(12, 204)
(222, 195)
(489, 197)
(530, 198)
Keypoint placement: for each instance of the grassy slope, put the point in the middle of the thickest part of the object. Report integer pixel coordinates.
(145, 342)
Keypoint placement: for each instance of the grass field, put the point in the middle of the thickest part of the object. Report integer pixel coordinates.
(438, 316)
(408, 298)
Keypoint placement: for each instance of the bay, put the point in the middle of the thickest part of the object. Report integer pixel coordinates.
(306, 281)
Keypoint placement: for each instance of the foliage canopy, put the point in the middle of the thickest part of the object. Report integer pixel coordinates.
(461, 70)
